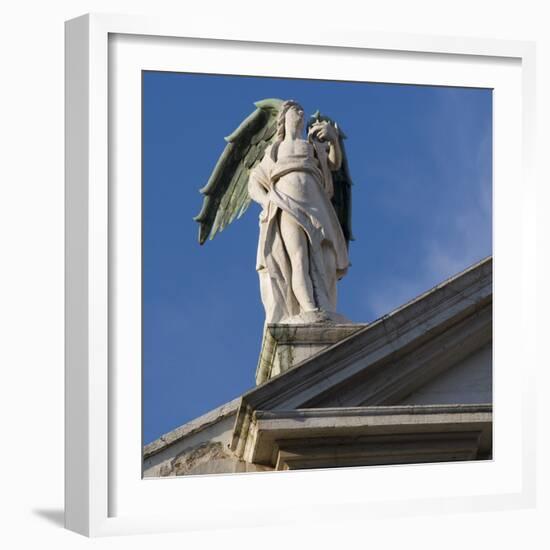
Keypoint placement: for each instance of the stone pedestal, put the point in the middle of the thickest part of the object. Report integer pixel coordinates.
(284, 346)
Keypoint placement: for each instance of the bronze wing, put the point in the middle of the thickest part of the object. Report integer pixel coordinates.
(226, 192)
(341, 200)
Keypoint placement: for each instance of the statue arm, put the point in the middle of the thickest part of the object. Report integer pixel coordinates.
(335, 155)
(325, 131)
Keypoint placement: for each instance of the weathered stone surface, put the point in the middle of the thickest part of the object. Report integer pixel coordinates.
(318, 317)
(369, 435)
(414, 386)
(205, 458)
(374, 347)
(215, 426)
(399, 373)
(200, 423)
(467, 381)
(208, 458)
(194, 457)
(284, 346)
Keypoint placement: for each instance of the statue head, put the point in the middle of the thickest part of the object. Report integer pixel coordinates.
(291, 113)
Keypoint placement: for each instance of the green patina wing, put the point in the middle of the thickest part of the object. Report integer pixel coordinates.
(226, 193)
(341, 200)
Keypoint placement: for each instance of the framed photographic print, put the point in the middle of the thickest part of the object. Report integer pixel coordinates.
(324, 302)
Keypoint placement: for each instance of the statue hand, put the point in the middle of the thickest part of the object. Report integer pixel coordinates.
(324, 131)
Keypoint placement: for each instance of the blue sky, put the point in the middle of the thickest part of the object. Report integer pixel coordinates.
(421, 162)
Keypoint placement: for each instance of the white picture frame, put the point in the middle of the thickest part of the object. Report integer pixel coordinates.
(99, 499)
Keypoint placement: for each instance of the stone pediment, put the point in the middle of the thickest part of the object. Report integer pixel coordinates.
(423, 353)
(362, 436)
(413, 386)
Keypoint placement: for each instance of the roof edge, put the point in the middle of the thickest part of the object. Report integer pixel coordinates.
(193, 426)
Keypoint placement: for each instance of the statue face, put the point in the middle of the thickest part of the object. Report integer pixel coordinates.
(295, 117)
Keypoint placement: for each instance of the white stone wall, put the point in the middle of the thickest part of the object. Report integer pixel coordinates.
(469, 381)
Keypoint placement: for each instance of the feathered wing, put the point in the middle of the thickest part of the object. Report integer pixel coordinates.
(226, 193)
(341, 199)
(341, 178)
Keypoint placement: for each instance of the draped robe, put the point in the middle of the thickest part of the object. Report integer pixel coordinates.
(307, 200)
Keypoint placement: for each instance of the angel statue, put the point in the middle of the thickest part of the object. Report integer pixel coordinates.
(304, 189)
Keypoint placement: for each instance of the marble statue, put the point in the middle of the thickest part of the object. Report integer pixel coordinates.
(304, 189)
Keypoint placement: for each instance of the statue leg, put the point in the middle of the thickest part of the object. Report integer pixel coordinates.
(297, 248)
(329, 259)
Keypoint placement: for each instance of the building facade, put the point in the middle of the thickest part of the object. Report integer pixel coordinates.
(414, 386)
